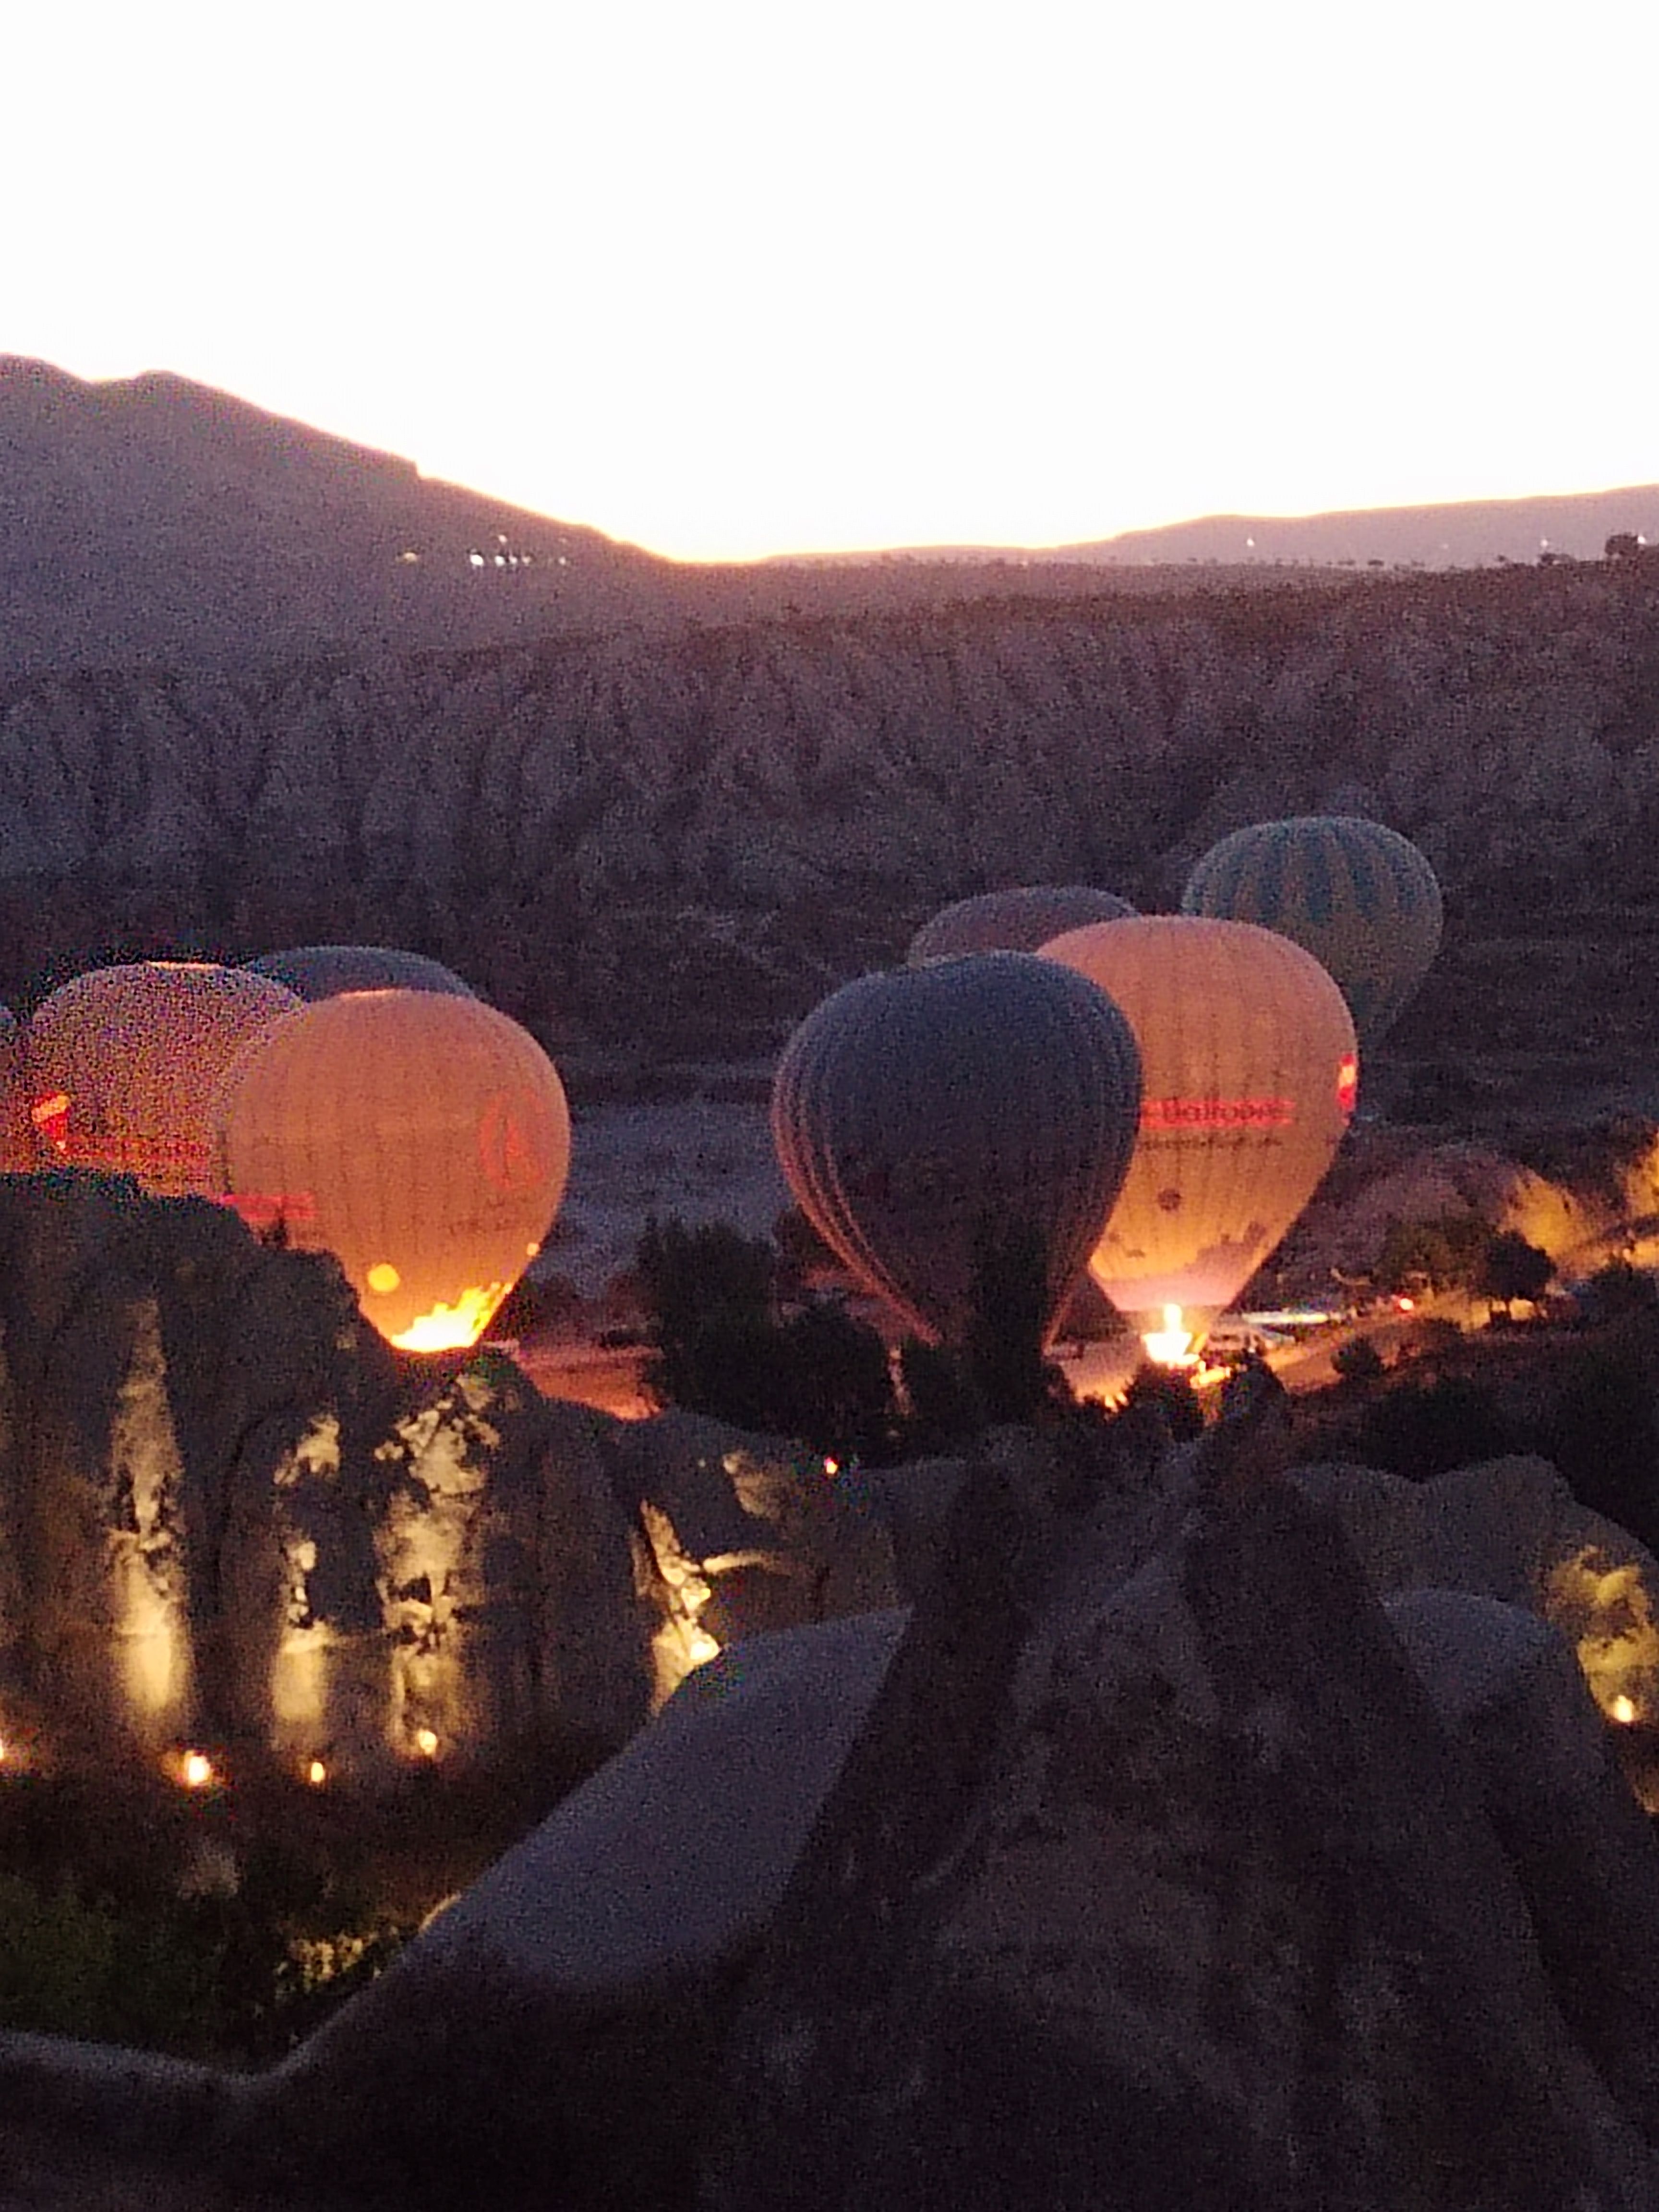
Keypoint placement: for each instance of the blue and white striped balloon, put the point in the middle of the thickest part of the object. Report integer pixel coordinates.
(1360, 898)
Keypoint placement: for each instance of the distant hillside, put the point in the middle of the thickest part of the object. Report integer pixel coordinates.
(1477, 534)
(153, 522)
(673, 843)
(1472, 535)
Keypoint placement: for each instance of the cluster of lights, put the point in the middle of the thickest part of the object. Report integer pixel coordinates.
(502, 557)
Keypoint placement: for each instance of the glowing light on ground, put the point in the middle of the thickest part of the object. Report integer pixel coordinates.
(196, 1771)
(316, 1774)
(1603, 1607)
(1172, 1344)
(426, 1742)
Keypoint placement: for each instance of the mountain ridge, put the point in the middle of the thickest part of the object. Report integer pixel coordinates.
(153, 522)
(1454, 534)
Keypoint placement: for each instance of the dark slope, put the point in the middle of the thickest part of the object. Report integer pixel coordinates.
(153, 522)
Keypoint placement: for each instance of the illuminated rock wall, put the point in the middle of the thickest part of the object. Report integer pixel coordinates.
(229, 1516)
(1511, 1529)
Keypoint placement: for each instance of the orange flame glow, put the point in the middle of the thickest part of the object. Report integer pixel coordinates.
(452, 1328)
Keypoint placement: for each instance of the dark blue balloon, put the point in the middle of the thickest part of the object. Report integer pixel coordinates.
(918, 1111)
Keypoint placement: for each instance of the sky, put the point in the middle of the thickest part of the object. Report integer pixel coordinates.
(727, 279)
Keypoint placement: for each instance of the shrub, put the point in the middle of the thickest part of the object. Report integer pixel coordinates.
(1617, 1290)
(1168, 1391)
(1445, 1254)
(1602, 1433)
(1512, 1269)
(1004, 1353)
(1425, 1429)
(1358, 1361)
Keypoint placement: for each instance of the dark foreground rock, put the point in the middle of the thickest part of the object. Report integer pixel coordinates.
(1157, 1864)
(1203, 1911)
(553, 2039)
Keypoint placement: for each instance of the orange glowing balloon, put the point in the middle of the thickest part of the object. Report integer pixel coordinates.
(1251, 1073)
(422, 1139)
(121, 1064)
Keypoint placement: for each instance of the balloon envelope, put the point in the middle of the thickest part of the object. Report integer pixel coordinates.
(1358, 895)
(121, 1065)
(422, 1139)
(18, 1151)
(323, 971)
(913, 1112)
(1249, 1070)
(1018, 920)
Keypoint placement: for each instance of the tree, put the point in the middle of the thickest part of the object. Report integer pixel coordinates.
(707, 1293)
(1168, 1391)
(1603, 1434)
(722, 1348)
(1004, 1346)
(1617, 1290)
(1358, 1361)
(1512, 1269)
(944, 1410)
(801, 1251)
(1442, 1254)
(1425, 1429)
(835, 1382)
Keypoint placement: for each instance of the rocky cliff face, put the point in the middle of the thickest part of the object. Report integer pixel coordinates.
(688, 838)
(229, 1516)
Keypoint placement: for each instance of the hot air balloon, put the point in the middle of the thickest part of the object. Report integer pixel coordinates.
(1018, 920)
(913, 1112)
(1250, 1071)
(121, 1064)
(1360, 898)
(18, 1153)
(323, 971)
(423, 1139)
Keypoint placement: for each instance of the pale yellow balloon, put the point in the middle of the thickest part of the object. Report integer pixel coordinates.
(121, 1065)
(422, 1139)
(1250, 1076)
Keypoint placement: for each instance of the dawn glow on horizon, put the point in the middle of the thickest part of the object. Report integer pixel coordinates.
(743, 280)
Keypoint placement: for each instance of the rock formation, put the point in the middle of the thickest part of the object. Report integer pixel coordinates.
(1156, 1860)
(687, 838)
(1182, 1896)
(229, 1515)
